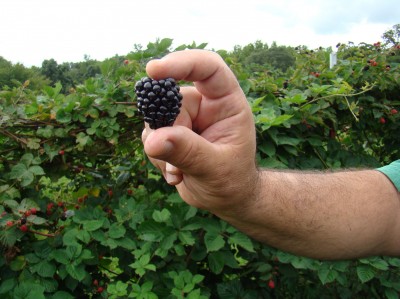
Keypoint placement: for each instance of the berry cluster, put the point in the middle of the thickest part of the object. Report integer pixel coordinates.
(159, 101)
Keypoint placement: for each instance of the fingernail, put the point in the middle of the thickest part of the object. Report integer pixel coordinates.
(171, 169)
(168, 146)
(171, 178)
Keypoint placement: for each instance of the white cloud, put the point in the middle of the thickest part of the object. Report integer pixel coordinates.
(66, 30)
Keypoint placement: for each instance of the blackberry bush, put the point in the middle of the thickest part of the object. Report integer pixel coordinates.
(158, 101)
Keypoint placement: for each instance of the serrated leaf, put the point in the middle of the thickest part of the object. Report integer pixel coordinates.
(33, 143)
(84, 236)
(186, 237)
(365, 273)
(29, 290)
(44, 269)
(20, 172)
(216, 262)
(77, 272)
(69, 237)
(213, 242)
(327, 275)
(161, 216)
(242, 240)
(168, 241)
(73, 251)
(116, 231)
(92, 225)
(27, 159)
(36, 170)
(60, 256)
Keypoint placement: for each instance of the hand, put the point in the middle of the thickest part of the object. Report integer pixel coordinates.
(209, 153)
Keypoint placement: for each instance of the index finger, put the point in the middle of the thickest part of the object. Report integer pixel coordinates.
(212, 77)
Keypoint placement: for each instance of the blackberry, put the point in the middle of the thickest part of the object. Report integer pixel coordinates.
(159, 101)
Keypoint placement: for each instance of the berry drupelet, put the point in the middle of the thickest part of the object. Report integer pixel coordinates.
(159, 101)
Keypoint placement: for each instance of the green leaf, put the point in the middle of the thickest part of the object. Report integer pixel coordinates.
(116, 231)
(70, 237)
(63, 117)
(161, 216)
(84, 236)
(280, 119)
(76, 271)
(62, 295)
(33, 143)
(36, 220)
(213, 242)
(186, 237)
(168, 241)
(242, 240)
(36, 170)
(288, 140)
(376, 262)
(44, 269)
(18, 263)
(92, 225)
(27, 159)
(391, 294)
(267, 148)
(60, 256)
(296, 99)
(29, 290)
(216, 262)
(21, 173)
(327, 275)
(73, 251)
(7, 285)
(365, 273)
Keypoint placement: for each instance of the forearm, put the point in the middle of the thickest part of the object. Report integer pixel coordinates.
(324, 215)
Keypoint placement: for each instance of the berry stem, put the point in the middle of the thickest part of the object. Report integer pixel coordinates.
(41, 234)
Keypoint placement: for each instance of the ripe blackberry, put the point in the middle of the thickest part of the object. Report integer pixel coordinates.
(159, 101)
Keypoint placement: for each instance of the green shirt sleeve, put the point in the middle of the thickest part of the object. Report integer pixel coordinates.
(392, 171)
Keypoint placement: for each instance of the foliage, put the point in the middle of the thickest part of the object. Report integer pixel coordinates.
(85, 215)
(69, 74)
(258, 56)
(11, 75)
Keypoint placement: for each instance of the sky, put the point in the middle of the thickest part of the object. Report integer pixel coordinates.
(67, 30)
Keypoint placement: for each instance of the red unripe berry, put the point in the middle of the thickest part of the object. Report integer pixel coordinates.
(23, 228)
(382, 120)
(49, 212)
(85, 197)
(110, 193)
(28, 213)
(126, 61)
(100, 290)
(33, 211)
(129, 192)
(10, 223)
(50, 206)
(271, 284)
(95, 282)
(393, 111)
(80, 199)
(61, 152)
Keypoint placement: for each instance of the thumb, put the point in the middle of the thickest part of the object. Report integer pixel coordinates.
(182, 148)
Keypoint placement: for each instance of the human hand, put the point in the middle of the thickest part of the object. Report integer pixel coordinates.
(209, 153)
